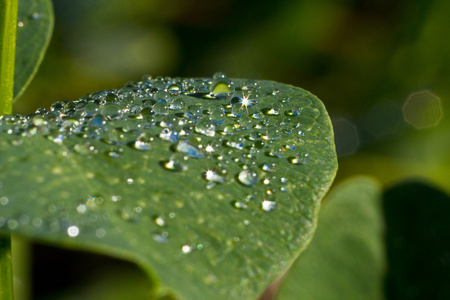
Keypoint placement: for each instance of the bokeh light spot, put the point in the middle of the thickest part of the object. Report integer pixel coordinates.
(422, 110)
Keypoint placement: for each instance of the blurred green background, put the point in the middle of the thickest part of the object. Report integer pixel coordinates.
(381, 67)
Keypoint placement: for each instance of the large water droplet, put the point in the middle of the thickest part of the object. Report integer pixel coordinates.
(212, 176)
(169, 135)
(111, 112)
(217, 114)
(143, 142)
(222, 88)
(185, 147)
(248, 177)
(161, 108)
(174, 89)
(194, 112)
(177, 104)
(268, 205)
(205, 127)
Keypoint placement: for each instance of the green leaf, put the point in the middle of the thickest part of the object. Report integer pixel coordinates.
(346, 256)
(34, 29)
(211, 185)
(418, 242)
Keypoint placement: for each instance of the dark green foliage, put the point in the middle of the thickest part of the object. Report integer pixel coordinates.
(418, 242)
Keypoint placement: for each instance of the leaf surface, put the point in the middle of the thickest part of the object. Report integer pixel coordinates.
(211, 185)
(34, 29)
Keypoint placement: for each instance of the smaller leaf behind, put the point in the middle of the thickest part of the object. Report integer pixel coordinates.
(345, 259)
(34, 30)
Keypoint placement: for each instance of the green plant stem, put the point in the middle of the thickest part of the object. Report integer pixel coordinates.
(8, 26)
(6, 278)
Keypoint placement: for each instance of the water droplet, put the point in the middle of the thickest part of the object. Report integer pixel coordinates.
(217, 114)
(159, 221)
(219, 75)
(12, 224)
(238, 205)
(235, 142)
(111, 112)
(84, 148)
(222, 88)
(194, 112)
(100, 232)
(299, 159)
(186, 249)
(130, 214)
(81, 208)
(143, 142)
(169, 135)
(161, 237)
(268, 205)
(245, 122)
(206, 127)
(275, 151)
(175, 164)
(177, 104)
(4, 200)
(212, 176)
(116, 198)
(267, 168)
(111, 97)
(174, 89)
(229, 129)
(91, 109)
(161, 108)
(185, 147)
(112, 154)
(73, 231)
(248, 177)
(36, 16)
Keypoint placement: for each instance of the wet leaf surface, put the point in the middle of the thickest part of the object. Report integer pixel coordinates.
(211, 185)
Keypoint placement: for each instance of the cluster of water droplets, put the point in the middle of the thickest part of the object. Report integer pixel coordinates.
(236, 128)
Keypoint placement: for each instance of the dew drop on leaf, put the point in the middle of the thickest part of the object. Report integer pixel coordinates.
(248, 177)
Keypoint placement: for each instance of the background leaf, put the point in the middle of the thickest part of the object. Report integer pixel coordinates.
(34, 29)
(418, 242)
(374, 246)
(346, 256)
(211, 185)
